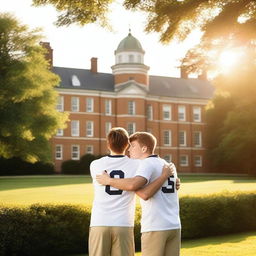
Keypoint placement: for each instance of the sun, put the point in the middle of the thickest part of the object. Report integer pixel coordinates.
(229, 59)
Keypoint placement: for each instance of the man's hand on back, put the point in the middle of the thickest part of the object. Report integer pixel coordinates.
(103, 179)
(168, 170)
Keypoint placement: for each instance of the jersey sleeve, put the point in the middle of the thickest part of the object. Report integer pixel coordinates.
(144, 170)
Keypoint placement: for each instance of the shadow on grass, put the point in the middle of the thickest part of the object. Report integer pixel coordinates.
(41, 181)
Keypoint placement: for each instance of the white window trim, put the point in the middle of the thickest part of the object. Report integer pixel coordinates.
(61, 152)
(167, 108)
(197, 112)
(149, 112)
(133, 112)
(185, 139)
(91, 146)
(108, 106)
(92, 129)
(170, 137)
(200, 139)
(108, 126)
(201, 161)
(133, 128)
(181, 164)
(77, 133)
(92, 105)
(184, 112)
(60, 103)
(75, 107)
(60, 132)
(78, 152)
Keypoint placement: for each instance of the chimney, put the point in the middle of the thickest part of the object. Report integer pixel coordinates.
(48, 53)
(183, 73)
(203, 75)
(94, 65)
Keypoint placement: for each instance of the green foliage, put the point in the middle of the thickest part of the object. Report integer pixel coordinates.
(63, 229)
(231, 120)
(16, 166)
(79, 11)
(81, 166)
(27, 97)
(43, 230)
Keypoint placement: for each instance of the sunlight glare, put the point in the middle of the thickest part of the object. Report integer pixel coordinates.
(228, 59)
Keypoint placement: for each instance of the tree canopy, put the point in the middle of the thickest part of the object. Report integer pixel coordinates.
(28, 114)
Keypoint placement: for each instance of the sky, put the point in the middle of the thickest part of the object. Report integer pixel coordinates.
(74, 46)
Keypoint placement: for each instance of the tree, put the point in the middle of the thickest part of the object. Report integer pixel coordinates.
(28, 114)
(231, 119)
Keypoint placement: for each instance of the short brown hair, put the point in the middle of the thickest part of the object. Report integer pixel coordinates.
(118, 139)
(145, 139)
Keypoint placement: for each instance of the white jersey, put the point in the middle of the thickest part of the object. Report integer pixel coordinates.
(113, 207)
(160, 212)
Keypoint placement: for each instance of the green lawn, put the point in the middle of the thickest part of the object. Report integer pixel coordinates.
(78, 189)
(231, 245)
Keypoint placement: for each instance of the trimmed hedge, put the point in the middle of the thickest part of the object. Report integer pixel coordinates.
(16, 166)
(81, 166)
(63, 229)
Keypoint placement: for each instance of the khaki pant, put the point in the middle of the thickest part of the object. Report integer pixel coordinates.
(111, 241)
(161, 243)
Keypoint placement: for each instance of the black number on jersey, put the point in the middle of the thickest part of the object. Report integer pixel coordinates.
(112, 175)
(170, 183)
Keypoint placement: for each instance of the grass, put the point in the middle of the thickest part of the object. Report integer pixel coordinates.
(229, 245)
(27, 190)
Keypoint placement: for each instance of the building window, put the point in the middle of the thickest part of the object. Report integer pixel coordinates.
(108, 107)
(131, 128)
(75, 81)
(197, 139)
(74, 104)
(131, 107)
(108, 126)
(168, 158)
(89, 149)
(89, 104)
(197, 114)
(89, 128)
(184, 160)
(182, 138)
(60, 103)
(74, 128)
(167, 112)
(75, 152)
(131, 58)
(120, 59)
(198, 161)
(58, 152)
(182, 113)
(149, 112)
(139, 59)
(60, 132)
(167, 138)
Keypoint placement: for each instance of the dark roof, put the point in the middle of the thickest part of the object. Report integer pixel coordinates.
(88, 79)
(158, 85)
(180, 87)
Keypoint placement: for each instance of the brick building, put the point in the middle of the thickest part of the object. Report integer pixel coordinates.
(170, 108)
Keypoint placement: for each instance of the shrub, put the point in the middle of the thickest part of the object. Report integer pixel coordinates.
(16, 166)
(81, 166)
(64, 229)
